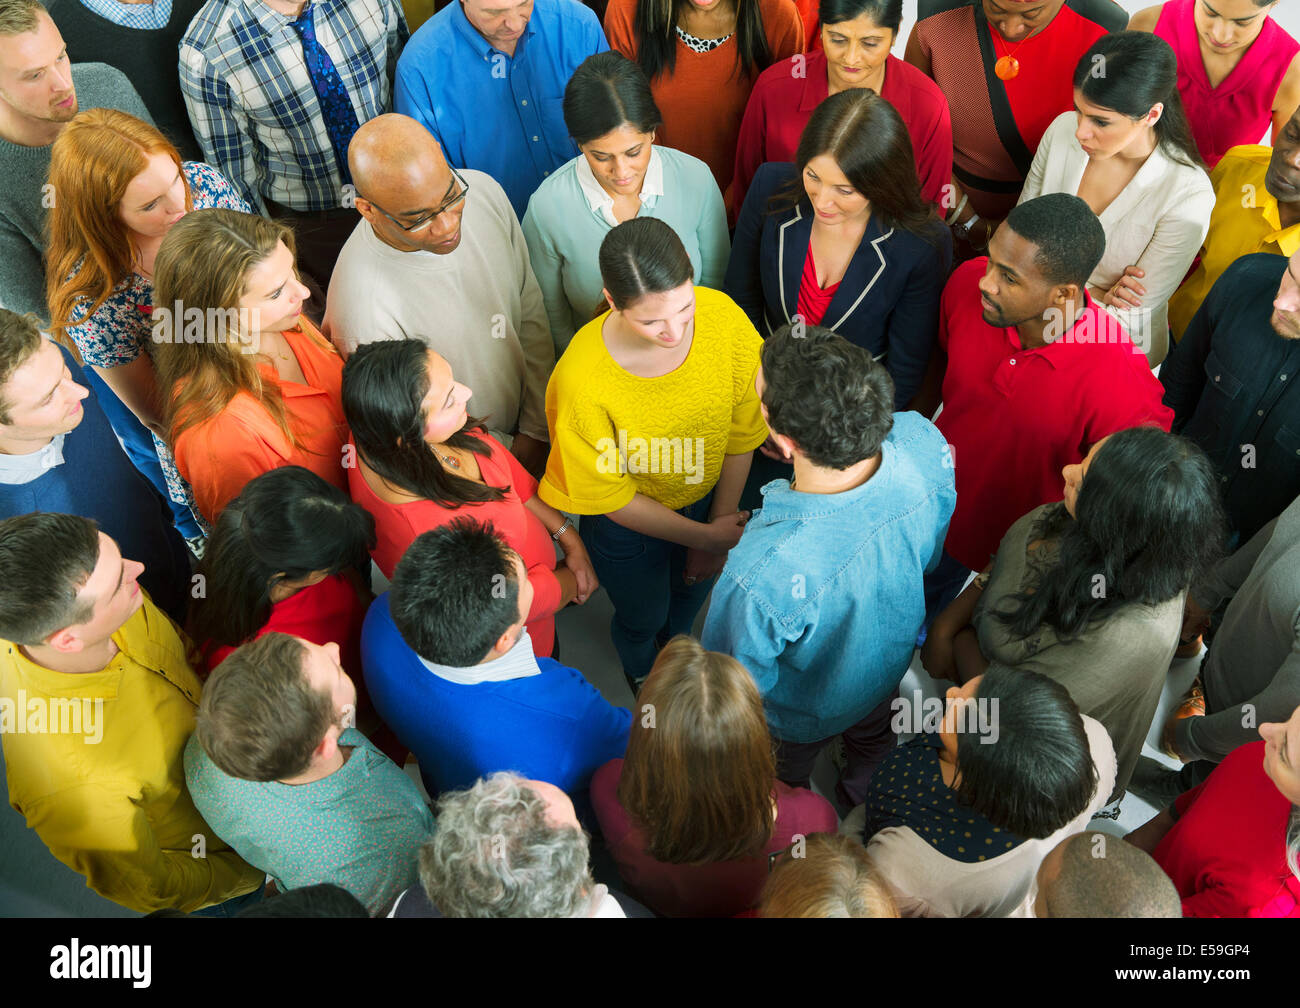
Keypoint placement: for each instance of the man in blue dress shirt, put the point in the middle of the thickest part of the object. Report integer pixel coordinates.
(487, 77)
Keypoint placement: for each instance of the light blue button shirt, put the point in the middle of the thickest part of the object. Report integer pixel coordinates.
(147, 16)
(492, 112)
(822, 598)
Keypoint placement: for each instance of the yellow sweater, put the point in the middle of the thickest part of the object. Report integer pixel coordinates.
(614, 435)
(94, 763)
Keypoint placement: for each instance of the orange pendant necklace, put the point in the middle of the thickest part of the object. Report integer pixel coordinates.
(1007, 66)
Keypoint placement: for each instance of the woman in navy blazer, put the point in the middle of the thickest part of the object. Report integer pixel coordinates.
(843, 239)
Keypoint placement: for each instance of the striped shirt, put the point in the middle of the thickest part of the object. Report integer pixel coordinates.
(147, 16)
(251, 100)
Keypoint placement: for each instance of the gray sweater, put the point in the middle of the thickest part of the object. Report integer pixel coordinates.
(23, 200)
(1252, 673)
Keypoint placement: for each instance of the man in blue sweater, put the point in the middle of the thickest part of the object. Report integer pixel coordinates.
(451, 670)
(59, 454)
(822, 597)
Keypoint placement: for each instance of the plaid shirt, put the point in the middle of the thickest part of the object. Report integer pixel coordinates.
(251, 100)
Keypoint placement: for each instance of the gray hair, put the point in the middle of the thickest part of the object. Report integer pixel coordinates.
(494, 854)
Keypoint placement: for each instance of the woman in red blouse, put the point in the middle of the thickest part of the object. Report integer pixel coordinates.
(694, 812)
(856, 36)
(421, 462)
(1230, 844)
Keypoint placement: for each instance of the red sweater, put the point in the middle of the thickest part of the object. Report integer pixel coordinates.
(1227, 851)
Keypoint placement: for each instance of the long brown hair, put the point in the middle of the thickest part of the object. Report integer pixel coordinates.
(98, 154)
(203, 264)
(698, 774)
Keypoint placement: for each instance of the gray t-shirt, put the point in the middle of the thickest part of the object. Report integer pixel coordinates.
(360, 828)
(24, 201)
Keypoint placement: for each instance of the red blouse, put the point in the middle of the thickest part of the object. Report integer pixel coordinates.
(813, 300)
(787, 92)
(397, 526)
(1240, 109)
(1227, 852)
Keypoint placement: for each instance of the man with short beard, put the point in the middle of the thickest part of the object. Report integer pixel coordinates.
(1230, 382)
(40, 91)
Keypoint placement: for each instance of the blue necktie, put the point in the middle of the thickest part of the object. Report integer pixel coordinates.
(340, 119)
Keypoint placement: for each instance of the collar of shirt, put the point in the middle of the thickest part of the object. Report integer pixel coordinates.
(273, 22)
(147, 16)
(1287, 238)
(816, 84)
(517, 663)
(16, 470)
(1092, 326)
(602, 203)
(783, 503)
(482, 46)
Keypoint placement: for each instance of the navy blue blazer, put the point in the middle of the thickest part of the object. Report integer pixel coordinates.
(887, 303)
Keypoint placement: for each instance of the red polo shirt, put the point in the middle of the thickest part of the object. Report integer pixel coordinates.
(1015, 418)
(786, 93)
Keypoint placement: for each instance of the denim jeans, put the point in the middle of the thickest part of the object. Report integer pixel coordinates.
(644, 579)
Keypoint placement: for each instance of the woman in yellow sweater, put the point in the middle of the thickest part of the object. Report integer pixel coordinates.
(653, 413)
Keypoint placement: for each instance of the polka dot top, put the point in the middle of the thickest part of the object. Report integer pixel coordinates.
(908, 790)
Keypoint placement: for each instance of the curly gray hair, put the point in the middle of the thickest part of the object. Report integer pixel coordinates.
(493, 853)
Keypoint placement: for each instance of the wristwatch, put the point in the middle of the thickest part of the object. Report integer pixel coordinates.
(568, 524)
(965, 229)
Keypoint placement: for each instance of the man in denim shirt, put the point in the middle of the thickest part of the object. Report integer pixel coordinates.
(822, 598)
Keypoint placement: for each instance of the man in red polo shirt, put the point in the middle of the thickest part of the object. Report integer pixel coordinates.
(1036, 372)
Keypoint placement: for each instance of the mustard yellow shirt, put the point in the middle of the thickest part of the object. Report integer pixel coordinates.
(94, 763)
(614, 435)
(1245, 220)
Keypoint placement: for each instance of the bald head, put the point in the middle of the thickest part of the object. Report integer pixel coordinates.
(401, 175)
(1094, 874)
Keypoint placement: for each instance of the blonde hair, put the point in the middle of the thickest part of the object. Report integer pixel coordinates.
(203, 265)
(20, 16)
(833, 876)
(98, 154)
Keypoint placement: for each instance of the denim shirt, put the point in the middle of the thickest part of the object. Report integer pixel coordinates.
(822, 597)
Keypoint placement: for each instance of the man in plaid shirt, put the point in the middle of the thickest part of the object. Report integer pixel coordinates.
(276, 119)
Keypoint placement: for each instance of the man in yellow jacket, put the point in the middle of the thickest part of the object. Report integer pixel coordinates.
(97, 702)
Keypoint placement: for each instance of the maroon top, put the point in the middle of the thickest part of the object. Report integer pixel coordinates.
(1227, 851)
(786, 93)
(1014, 417)
(722, 889)
(1240, 109)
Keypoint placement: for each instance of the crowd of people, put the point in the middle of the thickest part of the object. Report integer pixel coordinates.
(987, 351)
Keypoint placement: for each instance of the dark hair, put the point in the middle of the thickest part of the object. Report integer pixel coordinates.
(1039, 773)
(826, 394)
(260, 718)
(1069, 237)
(865, 136)
(1138, 71)
(45, 561)
(384, 385)
(655, 27)
(454, 593)
(607, 91)
(285, 524)
(323, 900)
(1103, 876)
(886, 13)
(643, 256)
(1148, 524)
(20, 337)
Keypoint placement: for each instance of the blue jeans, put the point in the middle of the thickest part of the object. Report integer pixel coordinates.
(232, 906)
(643, 576)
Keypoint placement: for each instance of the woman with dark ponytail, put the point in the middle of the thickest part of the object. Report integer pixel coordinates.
(1128, 152)
(653, 414)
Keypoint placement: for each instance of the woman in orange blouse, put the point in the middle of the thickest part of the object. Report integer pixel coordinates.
(702, 58)
(253, 384)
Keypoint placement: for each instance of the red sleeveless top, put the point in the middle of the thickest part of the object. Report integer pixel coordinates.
(1239, 110)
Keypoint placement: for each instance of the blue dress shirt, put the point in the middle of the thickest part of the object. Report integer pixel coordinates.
(499, 114)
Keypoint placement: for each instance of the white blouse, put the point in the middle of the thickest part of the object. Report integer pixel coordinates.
(1157, 223)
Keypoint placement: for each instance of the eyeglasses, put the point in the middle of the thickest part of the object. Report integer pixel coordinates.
(433, 215)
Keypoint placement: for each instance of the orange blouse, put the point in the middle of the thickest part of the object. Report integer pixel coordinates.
(219, 456)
